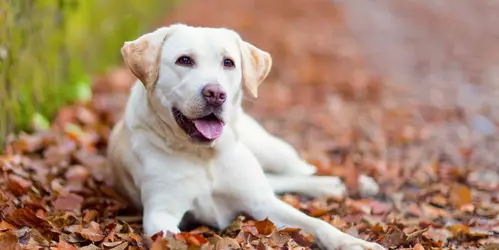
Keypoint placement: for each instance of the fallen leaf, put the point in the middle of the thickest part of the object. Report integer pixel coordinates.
(193, 239)
(418, 247)
(121, 246)
(90, 247)
(235, 226)
(112, 244)
(226, 243)
(90, 215)
(439, 200)
(378, 229)
(265, 227)
(460, 195)
(68, 202)
(301, 239)
(491, 246)
(63, 245)
(27, 217)
(8, 241)
(380, 207)
(416, 235)
(394, 237)
(18, 185)
(7, 226)
(159, 244)
(459, 229)
(290, 230)
(352, 176)
(93, 232)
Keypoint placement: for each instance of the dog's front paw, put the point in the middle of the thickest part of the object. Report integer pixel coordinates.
(362, 246)
(368, 186)
(169, 231)
(352, 244)
(331, 238)
(326, 186)
(298, 167)
(160, 223)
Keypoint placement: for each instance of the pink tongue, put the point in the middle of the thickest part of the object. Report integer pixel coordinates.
(211, 129)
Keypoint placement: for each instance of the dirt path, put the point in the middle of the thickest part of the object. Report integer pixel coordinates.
(431, 160)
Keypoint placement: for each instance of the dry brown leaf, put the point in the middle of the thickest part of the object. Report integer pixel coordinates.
(352, 176)
(63, 245)
(27, 217)
(459, 229)
(159, 244)
(302, 239)
(90, 215)
(460, 195)
(378, 229)
(121, 246)
(290, 230)
(68, 202)
(112, 244)
(7, 226)
(18, 185)
(439, 200)
(378, 208)
(90, 247)
(193, 239)
(265, 227)
(226, 243)
(394, 237)
(93, 232)
(8, 241)
(418, 247)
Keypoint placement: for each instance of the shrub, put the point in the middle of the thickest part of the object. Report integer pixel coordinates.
(49, 47)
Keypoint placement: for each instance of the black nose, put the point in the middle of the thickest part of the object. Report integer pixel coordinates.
(214, 94)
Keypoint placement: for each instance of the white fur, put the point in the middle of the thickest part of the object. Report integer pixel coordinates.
(160, 170)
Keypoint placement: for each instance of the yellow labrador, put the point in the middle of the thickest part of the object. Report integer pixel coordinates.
(185, 143)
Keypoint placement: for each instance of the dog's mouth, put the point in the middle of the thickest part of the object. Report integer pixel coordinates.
(205, 129)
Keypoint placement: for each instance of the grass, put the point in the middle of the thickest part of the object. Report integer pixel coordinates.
(49, 49)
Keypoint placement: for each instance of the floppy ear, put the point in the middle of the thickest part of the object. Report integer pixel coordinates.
(143, 55)
(256, 65)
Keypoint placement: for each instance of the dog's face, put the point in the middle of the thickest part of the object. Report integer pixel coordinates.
(194, 76)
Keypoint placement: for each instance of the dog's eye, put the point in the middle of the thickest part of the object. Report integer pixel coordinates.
(185, 61)
(228, 63)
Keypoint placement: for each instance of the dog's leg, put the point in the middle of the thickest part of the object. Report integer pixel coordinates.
(279, 158)
(320, 186)
(326, 235)
(163, 207)
(273, 154)
(166, 193)
(313, 186)
(245, 189)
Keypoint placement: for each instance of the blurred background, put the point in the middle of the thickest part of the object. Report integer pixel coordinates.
(386, 71)
(405, 91)
(50, 48)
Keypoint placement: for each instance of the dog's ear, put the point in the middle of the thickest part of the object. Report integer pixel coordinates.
(256, 65)
(143, 55)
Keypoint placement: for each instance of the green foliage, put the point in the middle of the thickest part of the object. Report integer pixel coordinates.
(48, 48)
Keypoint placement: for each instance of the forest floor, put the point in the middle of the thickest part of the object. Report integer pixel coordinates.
(436, 165)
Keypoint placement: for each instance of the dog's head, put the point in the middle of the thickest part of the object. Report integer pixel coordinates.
(195, 75)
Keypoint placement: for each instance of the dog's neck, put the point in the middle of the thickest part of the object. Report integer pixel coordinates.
(142, 114)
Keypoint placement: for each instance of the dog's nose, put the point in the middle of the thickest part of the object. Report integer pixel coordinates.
(214, 94)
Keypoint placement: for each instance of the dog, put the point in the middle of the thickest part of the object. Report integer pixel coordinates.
(186, 145)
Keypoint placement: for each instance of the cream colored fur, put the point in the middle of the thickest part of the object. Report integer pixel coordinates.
(166, 174)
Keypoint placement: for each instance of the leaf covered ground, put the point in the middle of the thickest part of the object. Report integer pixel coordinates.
(436, 164)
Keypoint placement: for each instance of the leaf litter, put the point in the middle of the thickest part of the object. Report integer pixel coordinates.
(438, 179)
